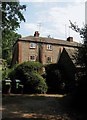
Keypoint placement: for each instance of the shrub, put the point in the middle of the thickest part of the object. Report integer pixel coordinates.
(30, 75)
(6, 71)
(53, 77)
(36, 84)
(21, 70)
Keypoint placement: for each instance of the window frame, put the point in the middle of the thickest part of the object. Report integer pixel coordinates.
(32, 45)
(49, 60)
(49, 47)
(32, 56)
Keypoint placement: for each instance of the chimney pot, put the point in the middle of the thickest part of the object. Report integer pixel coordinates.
(36, 34)
(70, 39)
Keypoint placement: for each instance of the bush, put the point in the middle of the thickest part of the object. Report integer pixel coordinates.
(21, 70)
(53, 78)
(4, 69)
(36, 84)
(30, 75)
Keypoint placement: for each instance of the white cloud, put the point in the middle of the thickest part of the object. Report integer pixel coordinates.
(58, 17)
(55, 20)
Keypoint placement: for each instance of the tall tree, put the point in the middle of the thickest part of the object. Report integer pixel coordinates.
(81, 96)
(12, 15)
(9, 38)
(82, 53)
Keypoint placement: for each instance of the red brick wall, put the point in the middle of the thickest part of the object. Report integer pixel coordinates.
(24, 52)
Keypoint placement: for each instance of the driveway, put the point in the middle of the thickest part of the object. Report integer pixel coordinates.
(37, 107)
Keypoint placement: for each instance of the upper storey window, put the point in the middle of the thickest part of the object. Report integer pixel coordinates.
(32, 45)
(49, 47)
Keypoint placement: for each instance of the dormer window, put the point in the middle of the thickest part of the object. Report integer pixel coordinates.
(32, 45)
(49, 47)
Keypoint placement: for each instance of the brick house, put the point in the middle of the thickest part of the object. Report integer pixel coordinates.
(44, 50)
(49, 50)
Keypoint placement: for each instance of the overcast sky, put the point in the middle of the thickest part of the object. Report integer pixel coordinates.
(52, 18)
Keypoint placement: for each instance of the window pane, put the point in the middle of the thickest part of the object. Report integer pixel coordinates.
(49, 59)
(32, 45)
(49, 47)
(32, 58)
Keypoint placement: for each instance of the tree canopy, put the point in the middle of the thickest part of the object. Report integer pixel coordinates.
(82, 54)
(80, 95)
(12, 16)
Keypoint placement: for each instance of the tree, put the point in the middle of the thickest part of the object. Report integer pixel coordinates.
(0, 52)
(82, 53)
(7, 44)
(55, 79)
(11, 17)
(81, 57)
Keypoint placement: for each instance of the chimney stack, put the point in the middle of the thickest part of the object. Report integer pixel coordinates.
(36, 34)
(70, 39)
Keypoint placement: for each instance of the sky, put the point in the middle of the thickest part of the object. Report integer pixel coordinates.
(52, 18)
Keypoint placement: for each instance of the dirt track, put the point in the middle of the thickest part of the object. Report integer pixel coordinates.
(37, 107)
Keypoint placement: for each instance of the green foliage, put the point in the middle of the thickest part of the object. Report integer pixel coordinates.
(80, 94)
(11, 17)
(5, 73)
(24, 69)
(0, 52)
(84, 50)
(0, 73)
(8, 39)
(5, 69)
(53, 77)
(53, 73)
(35, 84)
(83, 33)
(30, 75)
(81, 57)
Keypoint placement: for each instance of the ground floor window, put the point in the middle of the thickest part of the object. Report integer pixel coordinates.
(32, 58)
(49, 59)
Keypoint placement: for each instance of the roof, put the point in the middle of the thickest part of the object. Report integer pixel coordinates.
(72, 53)
(49, 40)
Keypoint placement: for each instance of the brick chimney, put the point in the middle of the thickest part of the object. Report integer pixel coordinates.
(36, 34)
(70, 39)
